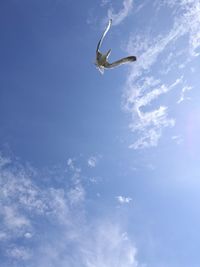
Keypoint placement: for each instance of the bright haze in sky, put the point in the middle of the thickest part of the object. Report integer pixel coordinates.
(99, 170)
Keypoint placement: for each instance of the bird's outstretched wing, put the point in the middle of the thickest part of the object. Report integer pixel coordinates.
(103, 35)
(120, 61)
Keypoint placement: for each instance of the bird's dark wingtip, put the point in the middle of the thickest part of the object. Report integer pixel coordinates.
(133, 58)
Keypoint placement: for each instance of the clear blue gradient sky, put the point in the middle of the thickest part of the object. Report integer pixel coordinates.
(99, 170)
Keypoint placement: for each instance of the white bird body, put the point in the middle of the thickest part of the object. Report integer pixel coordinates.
(101, 59)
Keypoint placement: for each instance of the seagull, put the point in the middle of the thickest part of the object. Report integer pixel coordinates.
(101, 59)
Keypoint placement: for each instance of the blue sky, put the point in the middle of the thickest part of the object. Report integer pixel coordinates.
(99, 170)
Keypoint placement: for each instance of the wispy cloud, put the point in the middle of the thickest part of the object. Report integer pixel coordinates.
(149, 124)
(70, 163)
(183, 94)
(12, 218)
(28, 235)
(189, 22)
(112, 13)
(178, 139)
(119, 16)
(105, 2)
(19, 253)
(76, 194)
(3, 161)
(112, 248)
(50, 219)
(144, 83)
(92, 161)
(123, 200)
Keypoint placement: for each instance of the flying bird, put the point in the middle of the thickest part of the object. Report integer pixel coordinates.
(101, 59)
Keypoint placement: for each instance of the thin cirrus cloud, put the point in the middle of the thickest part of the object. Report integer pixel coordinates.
(144, 84)
(112, 248)
(150, 123)
(183, 96)
(104, 2)
(45, 224)
(92, 162)
(119, 16)
(13, 219)
(178, 139)
(123, 200)
(19, 253)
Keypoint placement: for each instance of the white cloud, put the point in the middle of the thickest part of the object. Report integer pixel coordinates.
(123, 200)
(111, 248)
(122, 14)
(94, 245)
(178, 139)
(183, 92)
(59, 224)
(104, 2)
(70, 163)
(3, 236)
(92, 161)
(149, 124)
(3, 161)
(19, 253)
(76, 195)
(59, 206)
(23, 205)
(28, 235)
(12, 217)
(140, 7)
(189, 22)
(94, 180)
(141, 88)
